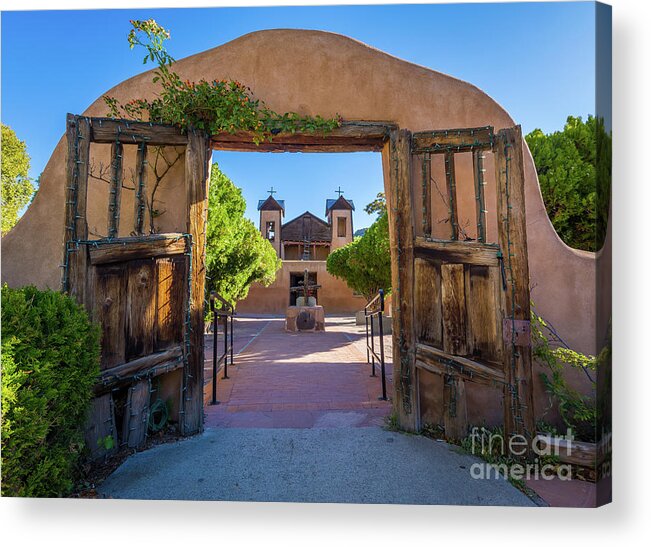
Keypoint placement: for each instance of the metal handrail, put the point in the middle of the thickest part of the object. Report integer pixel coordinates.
(375, 308)
(226, 312)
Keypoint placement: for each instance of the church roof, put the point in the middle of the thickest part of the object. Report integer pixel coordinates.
(271, 203)
(306, 227)
(340, 203)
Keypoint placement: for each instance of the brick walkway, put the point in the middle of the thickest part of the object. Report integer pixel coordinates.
(301, 380)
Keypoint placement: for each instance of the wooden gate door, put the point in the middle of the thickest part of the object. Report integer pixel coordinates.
(146, 290)
(463, 303)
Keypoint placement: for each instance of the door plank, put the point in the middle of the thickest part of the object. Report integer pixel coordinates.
(427, 301)
(455, 413)
(110, 311)
(136, 415)
(100, 433)
(453, 300)
(484, 335)
(170, 296)
(141, 308)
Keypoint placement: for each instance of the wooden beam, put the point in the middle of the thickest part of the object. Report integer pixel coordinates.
(108, 130)
(75, 223)
(197, 180)
(427, 194)
(439, 362)
(480, 200)
(456, 140)
(349, 137)
(512, 235)
(451, 186)
(140, 203)
(131, 248)
(401, 235)
(148, 365)
(462, 252)
(115, 191)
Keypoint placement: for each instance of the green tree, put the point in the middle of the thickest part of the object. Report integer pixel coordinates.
(17, 189)
(236, 253)
(378, 205)
(365, 263)
(574, 171)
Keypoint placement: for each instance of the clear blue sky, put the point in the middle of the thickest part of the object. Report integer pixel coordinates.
(535, 59)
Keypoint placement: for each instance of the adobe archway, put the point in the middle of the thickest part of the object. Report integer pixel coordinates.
(322, 73)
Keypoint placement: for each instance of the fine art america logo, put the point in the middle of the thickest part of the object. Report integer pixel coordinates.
(543, 447)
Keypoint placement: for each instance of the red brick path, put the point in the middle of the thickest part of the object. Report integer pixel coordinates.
(298, 380)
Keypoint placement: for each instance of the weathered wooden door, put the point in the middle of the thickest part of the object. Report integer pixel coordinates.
(462, 301)
(146, 290)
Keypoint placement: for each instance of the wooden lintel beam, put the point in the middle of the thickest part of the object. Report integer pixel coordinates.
(107, 130)
(453, 140)
(349, 137)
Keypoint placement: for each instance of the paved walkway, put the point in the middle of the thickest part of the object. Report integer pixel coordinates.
(298, 421)
(304, 380)
(338, 465)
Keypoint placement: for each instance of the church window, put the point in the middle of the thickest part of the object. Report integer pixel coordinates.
(341, 227)
(271, 230)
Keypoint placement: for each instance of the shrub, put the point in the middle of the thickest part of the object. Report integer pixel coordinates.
(50, 361)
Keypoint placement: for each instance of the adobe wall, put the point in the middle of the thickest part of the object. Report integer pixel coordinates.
(334, 295)
(313, 72)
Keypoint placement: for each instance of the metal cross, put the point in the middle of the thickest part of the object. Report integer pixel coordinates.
(272, 191)
(339, 191)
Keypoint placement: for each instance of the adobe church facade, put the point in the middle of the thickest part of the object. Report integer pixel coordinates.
(304, 243)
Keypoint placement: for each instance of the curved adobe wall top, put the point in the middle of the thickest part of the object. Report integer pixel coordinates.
(315, 72)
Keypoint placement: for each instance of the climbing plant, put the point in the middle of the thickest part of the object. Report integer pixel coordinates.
(217, 106)
(578, 411)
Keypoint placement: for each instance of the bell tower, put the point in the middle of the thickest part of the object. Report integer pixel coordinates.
(340, 217)
(271, 219)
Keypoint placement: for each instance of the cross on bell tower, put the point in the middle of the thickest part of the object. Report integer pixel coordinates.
(339, 191)
(272, 191)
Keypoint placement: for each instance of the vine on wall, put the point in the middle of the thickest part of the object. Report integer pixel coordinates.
(219, 106)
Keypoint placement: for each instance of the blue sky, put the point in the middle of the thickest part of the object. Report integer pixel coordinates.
(535, 59)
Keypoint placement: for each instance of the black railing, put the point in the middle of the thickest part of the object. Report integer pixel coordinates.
(224, 315)
(375, 308)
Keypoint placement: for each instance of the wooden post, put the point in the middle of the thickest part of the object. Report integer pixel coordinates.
(115, 196)
(478, 170)
(427, 194)
(141, 189)
(401, 233)
(197, 179)
(451, 184)
(78, 134)
(518, 393)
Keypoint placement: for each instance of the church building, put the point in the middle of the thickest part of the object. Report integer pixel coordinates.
(304, 243)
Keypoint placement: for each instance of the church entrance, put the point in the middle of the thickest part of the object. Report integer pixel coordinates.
(295, 280)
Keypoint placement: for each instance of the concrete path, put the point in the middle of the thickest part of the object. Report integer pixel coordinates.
(339, 465)
(299, 420)
(283, 379)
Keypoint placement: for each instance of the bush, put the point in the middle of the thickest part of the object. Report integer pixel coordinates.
(50, 362)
